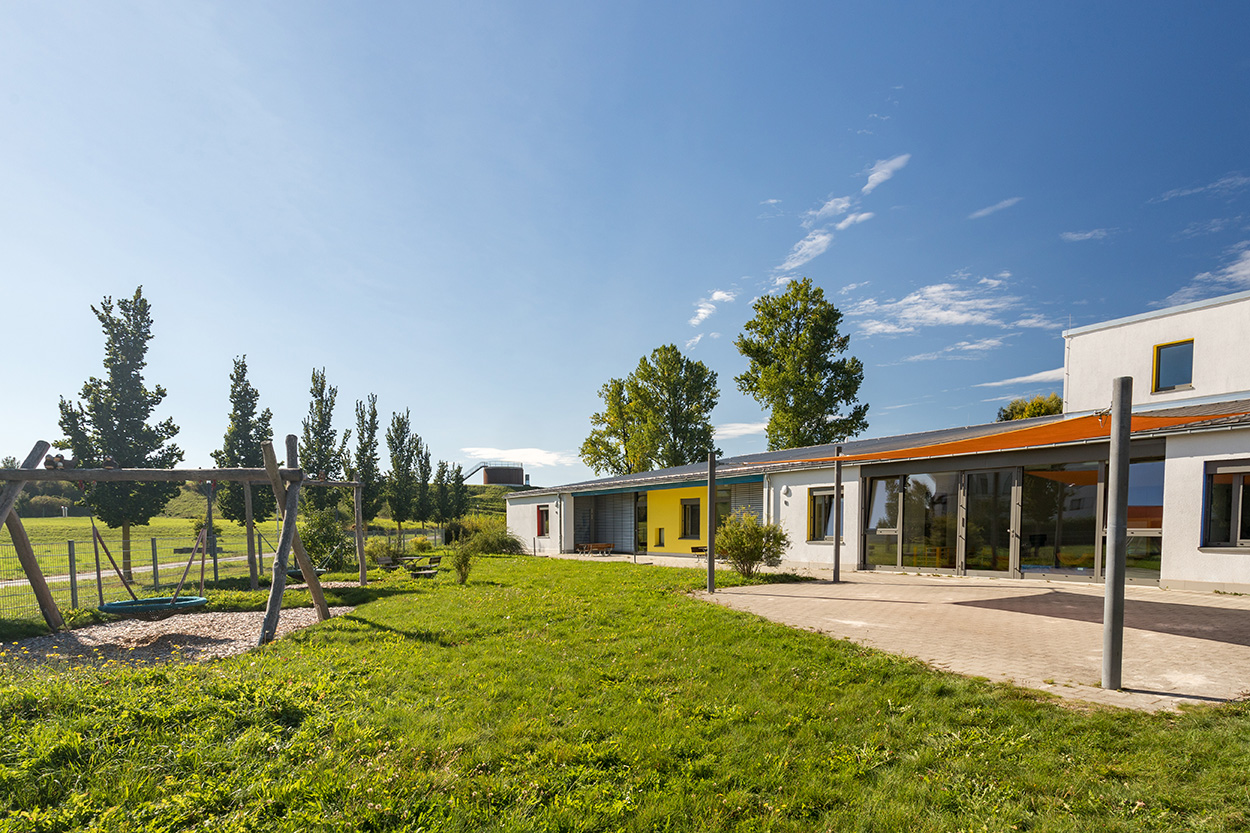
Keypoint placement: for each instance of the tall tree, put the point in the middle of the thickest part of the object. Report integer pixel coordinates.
(441, 497)
(321, 451)
(459, 493)
(423, 507)
(657, 416)
(401, 483)
(241, 447)
(792, 347)
(111, 423)
(365, 471)
(1035, 407)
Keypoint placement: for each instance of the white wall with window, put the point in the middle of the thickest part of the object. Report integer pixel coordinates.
(1185, 352)
(544, 523)
(1200, 485)
(800, 500)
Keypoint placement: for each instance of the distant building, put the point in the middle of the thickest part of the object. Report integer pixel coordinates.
(1014, 499)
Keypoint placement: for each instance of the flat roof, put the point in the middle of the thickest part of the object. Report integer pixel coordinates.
(1159, 313)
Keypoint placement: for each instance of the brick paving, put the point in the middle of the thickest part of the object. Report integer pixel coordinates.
(1179, 646)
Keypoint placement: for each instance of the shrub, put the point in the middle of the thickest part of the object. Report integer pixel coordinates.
(747, 544)
(324, 537)
(491, 535)
(46, 506)
(420, 545)
(462, 560)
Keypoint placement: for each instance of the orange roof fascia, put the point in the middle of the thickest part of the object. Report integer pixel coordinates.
(1091, 427)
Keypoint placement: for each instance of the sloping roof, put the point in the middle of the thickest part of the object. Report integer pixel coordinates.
(1039, 432)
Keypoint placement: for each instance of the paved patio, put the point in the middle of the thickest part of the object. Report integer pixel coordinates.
(1179, 646)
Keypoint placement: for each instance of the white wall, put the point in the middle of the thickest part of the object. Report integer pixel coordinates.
(786, 503)
(1185, 564)
(523, 522)
(1096, 355)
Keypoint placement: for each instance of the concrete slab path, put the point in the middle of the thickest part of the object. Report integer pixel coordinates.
(1179, 646)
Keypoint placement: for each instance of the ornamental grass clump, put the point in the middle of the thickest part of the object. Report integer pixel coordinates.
(748, 544)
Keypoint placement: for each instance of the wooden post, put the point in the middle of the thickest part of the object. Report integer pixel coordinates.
(208, 524)
(1117, 532)
(711, 522)
(360, 532)
(21, 543)
(269, 627)
(73, 575)
(253, 572)
(156, 576)
(301, 555)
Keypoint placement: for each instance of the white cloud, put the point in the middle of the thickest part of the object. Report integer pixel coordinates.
(1232, 277)
(959, 350)
(810, 247)
(1055, 375)
(883, 170)
(854, 219)
(690, 343)
(1092, 234)
(1037, 321)
(1223, 185)
(935, 305)
(878, 117)
(1003, 274)
(724, 295)
(769, 202)
(831, 208)
(713, 335)
(702, 310)
(732, 430)
(532, 457)
(998, 206)
(851, 287)
(990, 282)
(1213, 226)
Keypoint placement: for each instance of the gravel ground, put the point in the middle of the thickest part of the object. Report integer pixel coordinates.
(192, 637)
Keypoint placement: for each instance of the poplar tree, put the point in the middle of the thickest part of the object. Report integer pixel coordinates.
(110, 424)
(441, 499)
(423, 509)
(459, 498)
(366, 472)
(241, 448)
(321, 452)
(401, 483)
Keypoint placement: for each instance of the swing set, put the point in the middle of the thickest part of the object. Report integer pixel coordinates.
(285, 482)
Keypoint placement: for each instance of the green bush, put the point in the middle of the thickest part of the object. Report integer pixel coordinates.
(324, 537)
(462, 560)
(747, 544)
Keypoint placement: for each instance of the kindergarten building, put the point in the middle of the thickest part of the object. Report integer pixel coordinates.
(1022, 499)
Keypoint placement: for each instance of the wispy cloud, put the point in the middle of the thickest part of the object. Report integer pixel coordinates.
(998, 206)
(732, 430)
(532, 457)
(1055, 375)
(1233, 276)
(1213, 226)
(811, 246)
(1037, 321)
(690, 343)
(940, 304)
(851, 287)
(883, 170)
(723, 296)
(702, 310)
(959, 350)
(854, 219)
(1092, 234)
(1224, 185)
(832, 208)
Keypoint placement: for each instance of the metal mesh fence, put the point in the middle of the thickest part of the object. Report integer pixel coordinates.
(156, 566)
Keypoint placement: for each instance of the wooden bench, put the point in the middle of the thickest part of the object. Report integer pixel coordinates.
(428, 570)
(387, 563)
(594, 549)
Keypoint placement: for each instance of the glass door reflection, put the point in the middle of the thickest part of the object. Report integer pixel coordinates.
(987, 532)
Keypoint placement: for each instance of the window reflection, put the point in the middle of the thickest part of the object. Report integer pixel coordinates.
(1059, 518)
(930, 515)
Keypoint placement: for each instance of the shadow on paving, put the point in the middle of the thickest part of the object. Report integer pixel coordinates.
(1213, 623)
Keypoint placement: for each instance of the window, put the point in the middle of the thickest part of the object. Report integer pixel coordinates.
(659, 537)
(1226, 516)
(1174, 366)
(820, 515)
(690, 518)
(544, 521)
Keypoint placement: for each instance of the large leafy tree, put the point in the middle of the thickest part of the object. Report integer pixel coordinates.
(797, 370)
(241, 447)
(1035, 407)
(321, 452)
(110, 424)
(657, 417)
(401, 483)
(365, 468)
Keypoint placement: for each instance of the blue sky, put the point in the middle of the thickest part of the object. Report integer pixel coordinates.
(481, 212)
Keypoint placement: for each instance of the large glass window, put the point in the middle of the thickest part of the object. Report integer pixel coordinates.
(1226, 517)
(987, 533)
(1058, 518)
(930, 520)
(724, 504)
(881, 528)
(690, 518)
(820, 515)
(1174, 365)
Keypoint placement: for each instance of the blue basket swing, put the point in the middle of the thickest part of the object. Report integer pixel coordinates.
(150, 609)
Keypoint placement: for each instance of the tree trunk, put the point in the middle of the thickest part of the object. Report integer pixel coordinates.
(126, 551)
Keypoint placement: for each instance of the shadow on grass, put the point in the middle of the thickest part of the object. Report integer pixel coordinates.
(427, 637)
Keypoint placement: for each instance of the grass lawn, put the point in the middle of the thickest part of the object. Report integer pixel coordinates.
(558, 695)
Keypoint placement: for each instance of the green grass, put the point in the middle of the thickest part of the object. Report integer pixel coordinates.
(556, 695)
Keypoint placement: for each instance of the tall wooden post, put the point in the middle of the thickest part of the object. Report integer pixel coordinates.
(252, 571)
(301, 555)
(1117, 532)
(212, 536)
(837, 514)
(21, 543)
(269, 627)
(711, 522)
(358, 500)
